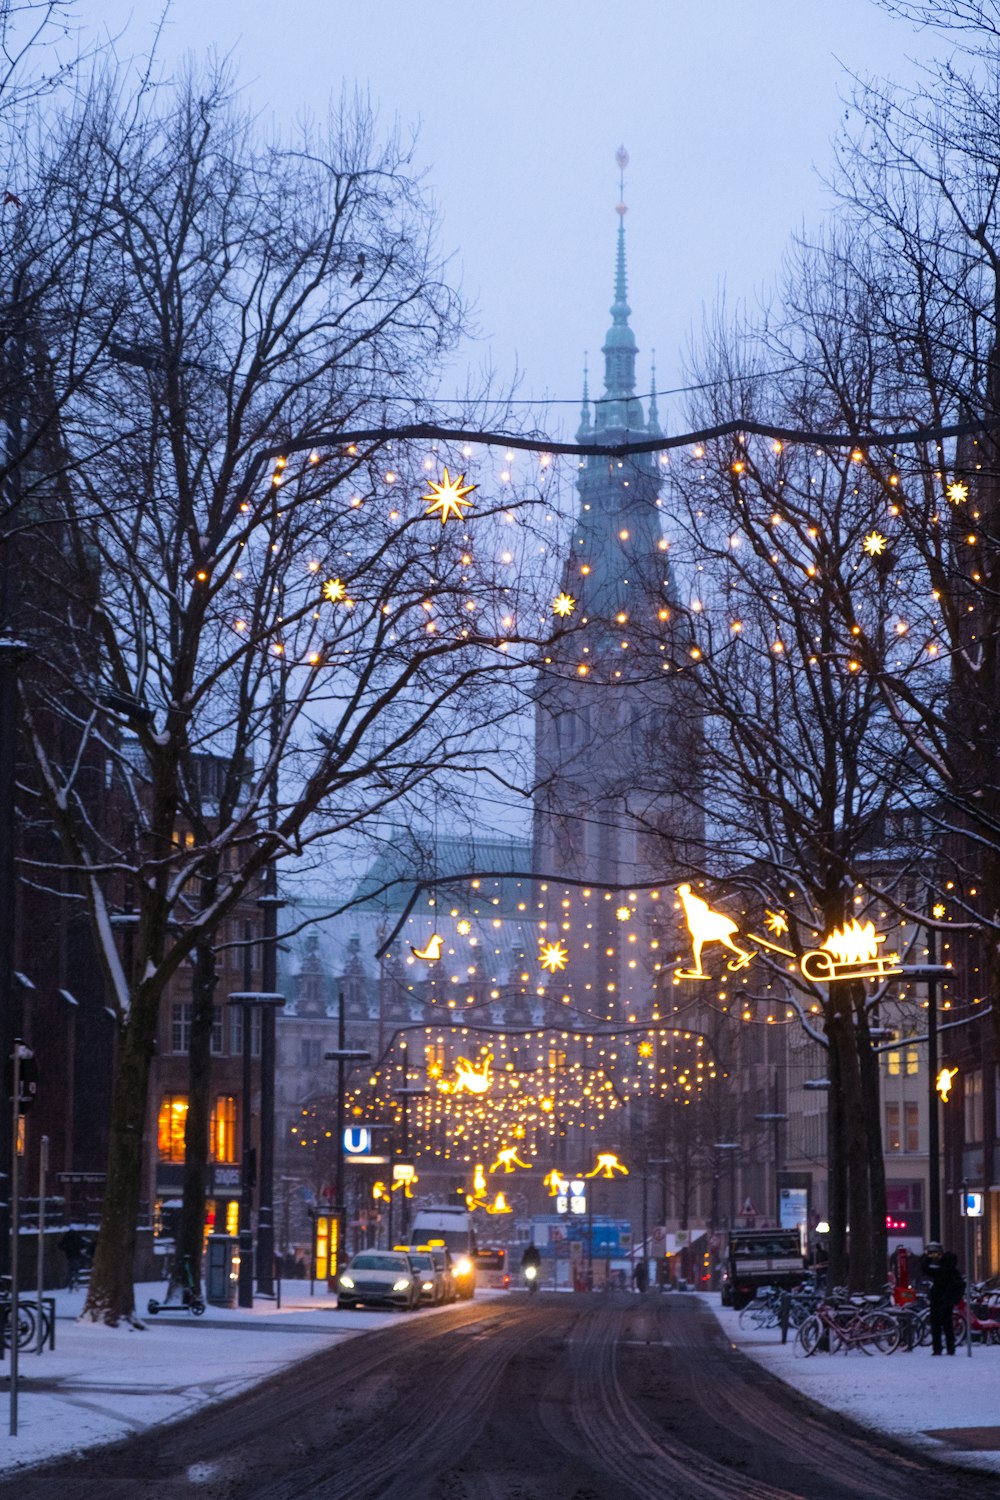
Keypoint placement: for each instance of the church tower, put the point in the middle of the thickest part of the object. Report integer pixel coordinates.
(614, 733)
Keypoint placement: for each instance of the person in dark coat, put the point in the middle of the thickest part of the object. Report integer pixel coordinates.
(641, 1276)
(944, 1292)
(74, 1247)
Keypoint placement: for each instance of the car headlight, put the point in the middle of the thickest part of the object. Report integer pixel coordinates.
(402, 1285)
(347, 1282)
(463, 1267)
(427, 1286)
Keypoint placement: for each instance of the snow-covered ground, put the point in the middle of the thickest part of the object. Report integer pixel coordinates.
(904, 1394)
(101, 1384)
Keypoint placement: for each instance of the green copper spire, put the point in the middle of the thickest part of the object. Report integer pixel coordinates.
(618, 408)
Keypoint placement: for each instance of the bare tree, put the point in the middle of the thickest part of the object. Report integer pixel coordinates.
(802, 762)
(316, 635)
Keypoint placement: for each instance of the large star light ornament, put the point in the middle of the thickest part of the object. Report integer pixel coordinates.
(448, 497)
(874, 544)
(553, 956)
(334, 590)
(957, 492)
(564, 605)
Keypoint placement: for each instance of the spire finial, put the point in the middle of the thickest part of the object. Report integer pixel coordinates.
(584, 430)
(621, 157)
(654, 415)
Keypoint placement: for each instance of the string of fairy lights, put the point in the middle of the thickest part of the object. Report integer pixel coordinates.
(524, 1086)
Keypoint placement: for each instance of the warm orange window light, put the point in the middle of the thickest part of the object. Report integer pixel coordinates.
(170, 1127)
(222, 1132)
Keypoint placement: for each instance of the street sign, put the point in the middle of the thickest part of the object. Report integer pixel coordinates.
(357, 1140)
(972, 1205)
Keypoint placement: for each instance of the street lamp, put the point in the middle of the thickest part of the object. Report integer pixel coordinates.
(776, 1119)
(719, 1147)
(408, 1092)
(342, 1056)
(248, 1001)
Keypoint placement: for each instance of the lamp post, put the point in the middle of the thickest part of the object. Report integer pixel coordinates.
(342, 1055)
(406, 1094)
(248, 1001)
(775, 1119)
(719, 1147)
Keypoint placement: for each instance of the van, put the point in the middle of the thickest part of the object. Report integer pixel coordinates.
(449, 1226)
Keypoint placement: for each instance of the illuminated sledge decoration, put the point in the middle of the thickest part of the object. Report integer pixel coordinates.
(707, 926)
(850, 953)
(499, 1205)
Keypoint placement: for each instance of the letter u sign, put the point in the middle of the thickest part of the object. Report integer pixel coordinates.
(357, 1140)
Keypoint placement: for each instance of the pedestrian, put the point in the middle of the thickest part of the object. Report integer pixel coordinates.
(945, 1291)
(73, 1246)
(641, 1276)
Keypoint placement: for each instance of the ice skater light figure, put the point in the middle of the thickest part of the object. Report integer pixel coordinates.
(708, 926)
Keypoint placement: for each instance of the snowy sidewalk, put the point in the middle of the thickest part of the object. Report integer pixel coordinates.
(101, 1384)
(909, 1396)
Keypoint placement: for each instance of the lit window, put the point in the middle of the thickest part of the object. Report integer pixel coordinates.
(223, 1129)
(170, 1127)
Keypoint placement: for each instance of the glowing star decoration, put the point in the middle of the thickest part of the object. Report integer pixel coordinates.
(464, 927)
(448, 497)
(945, 1079)
(508, 1160)
(334, 590)
(432, 952)
(553, 956)
(607, 1165)
(850, 952)
(469, 1077)
(938, 910)
(645, 1049)
(563, 604)
(623, 913)
(957, 492)
(874, 544)
(707, 926)
(776, 922)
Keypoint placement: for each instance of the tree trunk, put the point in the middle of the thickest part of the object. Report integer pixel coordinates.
(111, 1294)
(836, 1167)
(190, 1229)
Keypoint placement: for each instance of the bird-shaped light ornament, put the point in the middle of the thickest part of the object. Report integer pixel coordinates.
(432, 952)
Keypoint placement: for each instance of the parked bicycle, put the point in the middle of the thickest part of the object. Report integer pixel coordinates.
(843, 1326)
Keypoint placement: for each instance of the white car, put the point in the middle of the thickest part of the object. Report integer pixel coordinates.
(378, 1278)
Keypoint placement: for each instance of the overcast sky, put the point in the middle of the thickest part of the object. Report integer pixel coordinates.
(726, 108)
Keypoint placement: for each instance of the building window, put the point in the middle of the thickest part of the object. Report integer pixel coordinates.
(893, 1064)
(912, 1062)
(310, 1055)
(973, 1102)
(218, 1045)
(893, 1140)
(911, 1127)
(255, 1025)
(223, 1129)
(170, 1127)
(180, 1026)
